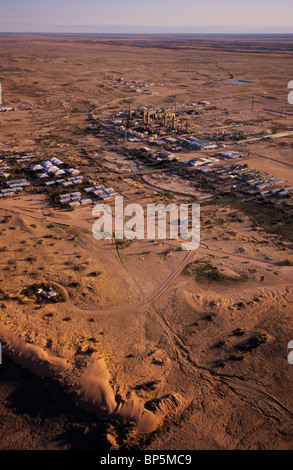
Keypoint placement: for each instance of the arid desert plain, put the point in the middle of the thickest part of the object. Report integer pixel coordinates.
(138, 344)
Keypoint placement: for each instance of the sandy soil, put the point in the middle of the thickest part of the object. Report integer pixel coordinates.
(146, 346)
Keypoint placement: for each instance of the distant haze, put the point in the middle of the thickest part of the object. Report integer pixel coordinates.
(152, 16)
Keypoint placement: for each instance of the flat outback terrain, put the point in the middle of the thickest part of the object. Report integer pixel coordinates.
(138, 344)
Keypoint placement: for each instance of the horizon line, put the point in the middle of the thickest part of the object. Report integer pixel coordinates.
(112, 33)
(42, 28)
(151, 33)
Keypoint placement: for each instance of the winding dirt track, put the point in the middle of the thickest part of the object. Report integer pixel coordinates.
(256, 391)
(238, 385)
(182, 353)
(31, 356)
(89, 386)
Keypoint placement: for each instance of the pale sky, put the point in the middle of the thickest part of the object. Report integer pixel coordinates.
(152, 15)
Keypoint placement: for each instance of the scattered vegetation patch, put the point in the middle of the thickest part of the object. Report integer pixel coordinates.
(204, 271)
(74, 284)
(235, 217)
(287, 262)
(147, 386)
(120, 244)
(74, 232)
(239, 332)
(79, 267)
(273, 219)
(252, 343)
(95, 273)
